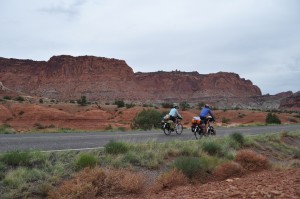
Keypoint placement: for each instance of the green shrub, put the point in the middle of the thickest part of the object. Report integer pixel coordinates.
(41, 101)
(167, 105)
(82, 101)
(147, 119)
(184, 106)
(120, 103)
(20, 99)
(6, 129)
(108, 127)
(201, 104)
(225, 120)
(212, 148)
(272, 118)
(129, 105)
(19, 177)
(296, 153)
(7, 97)
(190, 166)
(238, 137)
(16, 158)
(116, 147)
(86, 160)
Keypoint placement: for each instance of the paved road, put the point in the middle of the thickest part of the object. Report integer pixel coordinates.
(81, 141)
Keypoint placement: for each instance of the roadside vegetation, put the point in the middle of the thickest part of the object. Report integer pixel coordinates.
(127, 168)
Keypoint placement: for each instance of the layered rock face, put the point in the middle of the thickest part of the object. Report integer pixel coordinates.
(66, 78)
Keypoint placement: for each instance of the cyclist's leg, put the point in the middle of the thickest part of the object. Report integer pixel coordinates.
(203, 124)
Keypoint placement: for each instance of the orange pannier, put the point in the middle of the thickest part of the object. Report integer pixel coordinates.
(196, 120)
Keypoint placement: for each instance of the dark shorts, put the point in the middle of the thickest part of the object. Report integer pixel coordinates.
(203, 120)
(172, 118)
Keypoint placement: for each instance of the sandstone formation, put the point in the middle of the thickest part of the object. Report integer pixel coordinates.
(67, 78)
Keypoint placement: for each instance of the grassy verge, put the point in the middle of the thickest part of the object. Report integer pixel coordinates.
(24, 174)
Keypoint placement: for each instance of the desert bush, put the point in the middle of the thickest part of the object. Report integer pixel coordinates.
(39, 126)
(6, 129)
(296, 153)
(190, 166)
(129, 105)
(81, 186)
(86, 160)
(272, 118)
(209, 163)
(184, 105)
(147, 119)
(20, 99)
(170, 179)
(120, 103)
(114, 147)
(239, 138)
(19, 177)
(212, 148)
(82, 101)
(108, 127)
(7, 97)
(228, 170)
(27, 159)
(91, 183)
(292, 120)
(167, 105)
(16, 158)
(225, 120)
(201, 105)
(251, 161)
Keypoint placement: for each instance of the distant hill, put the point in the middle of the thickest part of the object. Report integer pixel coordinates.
(103, 79)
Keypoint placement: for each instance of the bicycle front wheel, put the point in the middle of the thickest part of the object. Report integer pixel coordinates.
(179, 128)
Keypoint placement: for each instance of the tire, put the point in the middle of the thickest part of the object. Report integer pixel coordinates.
(198, 132)
(167, 129)
(179, 129)
(211, 131)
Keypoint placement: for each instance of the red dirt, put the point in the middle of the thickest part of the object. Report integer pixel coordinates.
(25, 116)
(265, 184)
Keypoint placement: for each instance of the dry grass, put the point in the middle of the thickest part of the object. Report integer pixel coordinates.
(252, 161)
(228, 170)
(169, 179)
(92, 183)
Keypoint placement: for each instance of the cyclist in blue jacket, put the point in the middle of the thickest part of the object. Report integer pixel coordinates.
(203, 115)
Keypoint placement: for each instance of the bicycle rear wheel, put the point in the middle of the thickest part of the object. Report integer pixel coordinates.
(198, 132)
(179, 128)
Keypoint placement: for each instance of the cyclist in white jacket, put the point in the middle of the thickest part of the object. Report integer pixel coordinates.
(174, 114)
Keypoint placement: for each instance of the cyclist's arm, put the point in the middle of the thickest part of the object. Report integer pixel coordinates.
(212, 115)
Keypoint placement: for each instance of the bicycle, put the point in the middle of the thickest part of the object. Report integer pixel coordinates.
(198, 129)
(166, 126)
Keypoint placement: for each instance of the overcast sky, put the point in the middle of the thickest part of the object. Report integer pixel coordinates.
(257, 39)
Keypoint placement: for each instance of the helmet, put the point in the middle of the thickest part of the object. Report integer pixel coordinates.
(209, 117)
(175, 106)
(206, 106)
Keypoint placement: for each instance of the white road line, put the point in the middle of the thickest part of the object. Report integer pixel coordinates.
(80, 149)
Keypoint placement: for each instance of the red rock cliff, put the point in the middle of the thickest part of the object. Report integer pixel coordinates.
(66, 77)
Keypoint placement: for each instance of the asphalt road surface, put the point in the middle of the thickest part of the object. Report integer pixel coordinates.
(84, 141)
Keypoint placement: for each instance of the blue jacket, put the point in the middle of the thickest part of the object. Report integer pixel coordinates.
(205, 111)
